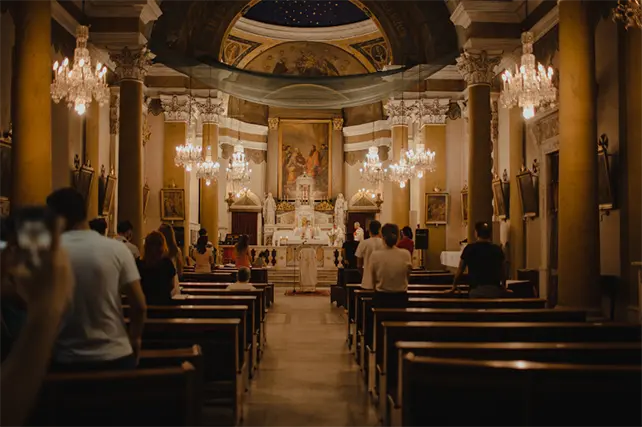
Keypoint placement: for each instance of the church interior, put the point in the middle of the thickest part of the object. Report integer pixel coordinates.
(294, 126)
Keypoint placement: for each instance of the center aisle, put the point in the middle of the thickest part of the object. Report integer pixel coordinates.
(307, 377)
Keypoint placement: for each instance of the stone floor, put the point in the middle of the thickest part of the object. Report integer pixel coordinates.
(307, 377)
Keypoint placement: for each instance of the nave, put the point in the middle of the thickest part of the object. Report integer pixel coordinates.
(307, 374)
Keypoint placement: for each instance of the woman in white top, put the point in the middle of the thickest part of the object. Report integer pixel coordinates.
(390, 269)
(174, 254)
(203, 256)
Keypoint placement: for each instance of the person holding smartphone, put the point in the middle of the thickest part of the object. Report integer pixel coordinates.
(94, 335)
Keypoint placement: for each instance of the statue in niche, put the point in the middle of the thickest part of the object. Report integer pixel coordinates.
(269, 210)
(340, 207)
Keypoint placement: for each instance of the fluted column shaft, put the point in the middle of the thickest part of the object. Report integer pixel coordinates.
(579, 244)
(31, 104)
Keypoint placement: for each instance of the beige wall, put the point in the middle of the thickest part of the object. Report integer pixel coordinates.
(455, 176)
(153, 158)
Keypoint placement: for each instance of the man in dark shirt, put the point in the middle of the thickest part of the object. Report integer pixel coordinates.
(349, 248)
(485, 262)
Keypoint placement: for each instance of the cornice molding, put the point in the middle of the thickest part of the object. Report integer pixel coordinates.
(547, 23)
(469, 11)
(230, 140)
(145, 10)
(325, 34)
(364, 145)
(236, 125)
(366, 128)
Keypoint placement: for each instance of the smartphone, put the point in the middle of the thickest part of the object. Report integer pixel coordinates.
(34, 228)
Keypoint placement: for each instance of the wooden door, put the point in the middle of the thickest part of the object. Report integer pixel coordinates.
(245, 223)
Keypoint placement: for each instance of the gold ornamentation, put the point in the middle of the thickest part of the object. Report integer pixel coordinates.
(210, 109)
(337, 123)
(398, 112)
(324, 206)
(114, 122)
(477, 67)
(273, 123)
(284, 206)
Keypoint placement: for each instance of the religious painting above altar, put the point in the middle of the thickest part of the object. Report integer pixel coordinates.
(304, 147)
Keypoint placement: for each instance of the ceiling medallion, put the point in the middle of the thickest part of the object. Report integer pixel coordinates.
(529, 87)
(81, 82)
(629, 12)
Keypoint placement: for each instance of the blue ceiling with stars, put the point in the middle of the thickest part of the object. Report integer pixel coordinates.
(306, 13)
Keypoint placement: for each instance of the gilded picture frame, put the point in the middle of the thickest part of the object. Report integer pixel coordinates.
(464, 205)
(106, 191)
(500, 198)
(436, 208)
(321, 192)
(172, 204)
(528, 194)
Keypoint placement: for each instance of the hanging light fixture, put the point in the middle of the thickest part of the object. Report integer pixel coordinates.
(372, 170)
(402, 171)
(238, 171)
(422, 160)
(208, 170)
(188, 155)
(629, 12)
(79, 82)
(529, 87)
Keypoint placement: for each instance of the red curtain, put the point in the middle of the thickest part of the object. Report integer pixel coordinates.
(245, 223)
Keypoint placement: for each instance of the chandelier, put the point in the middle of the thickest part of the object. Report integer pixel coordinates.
(81, 82)
(188, 156)
(372, 170)
(529, 87)
(208, 170)
(629, 12)
(421, 160)
(238, 171)
(402, 171)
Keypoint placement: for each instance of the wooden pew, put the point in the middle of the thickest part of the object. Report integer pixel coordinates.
(518, 393)
(208, 289)
(258, 275)
(248, 360)
(268, 287)
(143, 397)
(218, 338)
(260, 297)
(393, 332)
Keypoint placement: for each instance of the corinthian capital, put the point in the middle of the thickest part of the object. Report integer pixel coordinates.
(399, 113)
(176, 107)
(430, 111)
(273, 123)
(477, 66)
(210, 109)
(132, 65)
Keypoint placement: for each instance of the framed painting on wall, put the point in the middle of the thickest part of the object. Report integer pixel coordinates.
(172, 204)
(106, 191)
(436, 208)
(464, 204)
(528, 193)
(82, 177)
(500, 198)
(305, 148)
(606, 193)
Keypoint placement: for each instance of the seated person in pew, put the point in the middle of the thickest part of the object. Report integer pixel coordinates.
(174, 253)
(157, 271)
(390, 269)
(46, 289)
(365, 250)
(242, 281)
(485, 263)
(202, 256)
(93, 333)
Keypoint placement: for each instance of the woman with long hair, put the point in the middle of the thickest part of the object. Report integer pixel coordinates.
(242, 251)
(202, 256)
(174, 253)
(157, 271)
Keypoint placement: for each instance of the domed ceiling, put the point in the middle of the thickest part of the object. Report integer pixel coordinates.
(305, 13)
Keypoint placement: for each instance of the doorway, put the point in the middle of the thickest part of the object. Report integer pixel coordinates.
(363, 218)
(245, 223)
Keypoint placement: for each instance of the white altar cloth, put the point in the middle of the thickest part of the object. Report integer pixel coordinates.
(308, 268)
(450, 258)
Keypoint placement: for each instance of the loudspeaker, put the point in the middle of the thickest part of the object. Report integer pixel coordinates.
(421, 238)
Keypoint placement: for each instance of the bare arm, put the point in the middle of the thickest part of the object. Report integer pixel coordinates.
(137, 313)
(179, 263)
(458, 274)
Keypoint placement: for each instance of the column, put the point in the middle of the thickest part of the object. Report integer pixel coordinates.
(114, 124)
(31, 103)
(579, 225)
(272, 167)
(92, 135)
(631, 209)
(131, 69)
(433, 131)
(177, 112)
(516, 161)
(336, 148)
(477, 69)
(210, 109)
(399, 116)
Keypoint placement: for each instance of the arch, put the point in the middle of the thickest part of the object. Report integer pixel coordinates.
(418, 32)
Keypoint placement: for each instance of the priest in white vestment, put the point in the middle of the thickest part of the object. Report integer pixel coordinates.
(308, 268)
(358, 232)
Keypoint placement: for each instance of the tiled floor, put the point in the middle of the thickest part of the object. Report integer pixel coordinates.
(307, 377)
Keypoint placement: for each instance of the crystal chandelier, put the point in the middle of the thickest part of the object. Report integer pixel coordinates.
(629, 12)
(238, 171)
(188, 156)
(81, 82)
(372, 170)
(421, 160)
(402, 171)
(529, 87)
(208, 170)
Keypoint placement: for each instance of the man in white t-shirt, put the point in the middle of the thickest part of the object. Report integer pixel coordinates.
(93, 335)
(242, 281)
(365, 250)
(390, 269)
(125, 231)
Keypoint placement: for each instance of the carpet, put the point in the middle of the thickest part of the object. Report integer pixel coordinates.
(317, 293)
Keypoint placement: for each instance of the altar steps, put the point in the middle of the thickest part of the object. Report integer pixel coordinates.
(287, 277)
